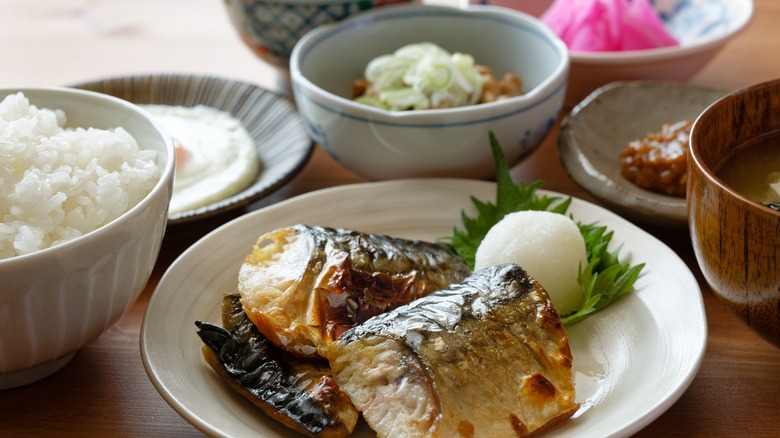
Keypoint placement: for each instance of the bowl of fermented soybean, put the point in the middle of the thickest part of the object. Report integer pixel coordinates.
(733, 201)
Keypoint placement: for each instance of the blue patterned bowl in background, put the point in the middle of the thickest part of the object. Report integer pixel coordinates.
(272, 27)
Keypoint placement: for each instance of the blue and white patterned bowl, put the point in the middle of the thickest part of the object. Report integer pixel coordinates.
(283, 147)
(703, 27)
(272, 27)
(454, 142)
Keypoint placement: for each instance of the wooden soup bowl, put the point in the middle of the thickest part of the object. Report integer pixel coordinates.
(736, 240)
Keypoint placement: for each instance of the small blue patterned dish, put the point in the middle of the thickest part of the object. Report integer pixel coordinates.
(270, 28)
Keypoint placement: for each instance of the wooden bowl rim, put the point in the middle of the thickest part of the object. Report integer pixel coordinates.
(695, 157)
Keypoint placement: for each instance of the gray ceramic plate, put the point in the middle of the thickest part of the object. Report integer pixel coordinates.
(601, 126)
(272, 121)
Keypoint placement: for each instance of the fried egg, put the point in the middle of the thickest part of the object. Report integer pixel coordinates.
(215, 156)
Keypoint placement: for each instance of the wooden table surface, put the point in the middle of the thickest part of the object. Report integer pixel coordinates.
(105, 391)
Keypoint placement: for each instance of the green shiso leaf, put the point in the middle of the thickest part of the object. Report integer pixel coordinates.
(509, 199)
(603, 281)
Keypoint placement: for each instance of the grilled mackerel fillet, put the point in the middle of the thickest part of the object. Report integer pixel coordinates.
(304, 286)
(487, 357)
(299, 394)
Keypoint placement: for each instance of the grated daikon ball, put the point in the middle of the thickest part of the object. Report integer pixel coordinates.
(549, 246)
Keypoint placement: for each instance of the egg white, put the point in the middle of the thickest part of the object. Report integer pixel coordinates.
(220, 157)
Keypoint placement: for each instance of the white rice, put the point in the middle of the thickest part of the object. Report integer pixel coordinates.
(58, 184)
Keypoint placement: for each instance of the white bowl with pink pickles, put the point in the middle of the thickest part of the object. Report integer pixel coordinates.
(699, 28)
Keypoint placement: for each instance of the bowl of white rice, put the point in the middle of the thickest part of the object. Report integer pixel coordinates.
(85, 183)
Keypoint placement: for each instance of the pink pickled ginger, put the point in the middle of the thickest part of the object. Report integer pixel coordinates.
(607, 25)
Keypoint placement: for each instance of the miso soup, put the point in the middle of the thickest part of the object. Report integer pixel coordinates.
(754, 169)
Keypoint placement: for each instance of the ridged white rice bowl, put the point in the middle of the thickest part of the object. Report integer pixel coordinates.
(81, 230)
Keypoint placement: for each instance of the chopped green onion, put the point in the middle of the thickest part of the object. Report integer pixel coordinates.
(403, 98)
(424, 75)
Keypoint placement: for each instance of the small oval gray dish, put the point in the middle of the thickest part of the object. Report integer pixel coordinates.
(600, 127)
(283, 146)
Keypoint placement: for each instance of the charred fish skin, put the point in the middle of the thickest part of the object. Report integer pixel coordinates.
(303, 286)
(485, 357)
(301, 395)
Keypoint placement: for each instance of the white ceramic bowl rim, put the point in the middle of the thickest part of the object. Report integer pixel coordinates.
(664, 53)
(409, 118)
(545, 90)
(142, 204)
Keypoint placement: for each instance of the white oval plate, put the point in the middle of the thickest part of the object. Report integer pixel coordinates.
(632, 361)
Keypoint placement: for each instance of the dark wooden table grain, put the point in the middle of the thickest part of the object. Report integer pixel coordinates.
(105, 391)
